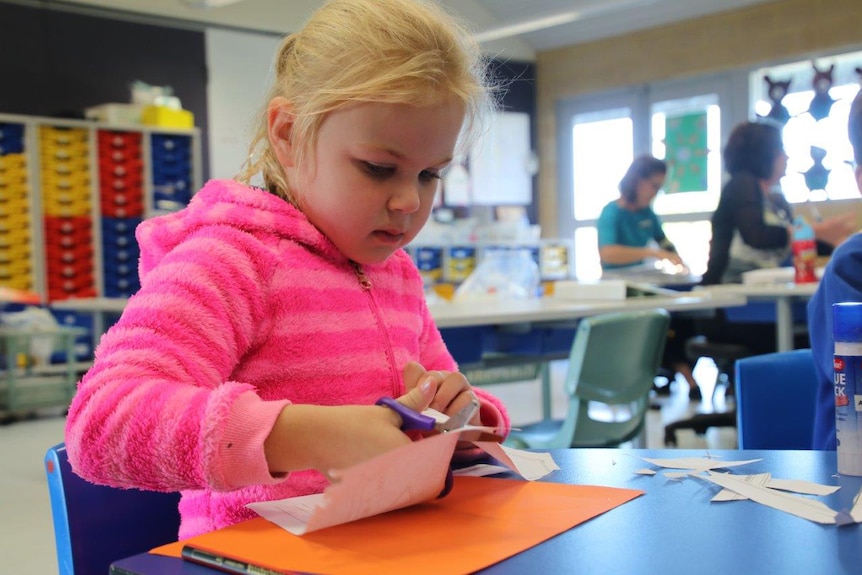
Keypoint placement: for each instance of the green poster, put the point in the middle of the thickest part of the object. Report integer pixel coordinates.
(685, 145)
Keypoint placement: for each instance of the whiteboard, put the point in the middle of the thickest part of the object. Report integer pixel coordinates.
(500, 172)
(240, 71)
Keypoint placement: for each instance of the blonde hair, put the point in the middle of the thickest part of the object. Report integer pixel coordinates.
(360, 51)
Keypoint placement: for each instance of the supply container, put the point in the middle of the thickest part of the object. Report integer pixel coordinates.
(804, 251)
(847, 362)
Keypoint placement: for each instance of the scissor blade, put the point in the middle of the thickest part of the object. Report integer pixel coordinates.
(462, 417)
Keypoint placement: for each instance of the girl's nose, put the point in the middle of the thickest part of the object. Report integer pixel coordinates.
(405, 198)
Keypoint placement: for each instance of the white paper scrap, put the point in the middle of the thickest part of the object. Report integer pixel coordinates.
(801, 486)
(766, 480)
(856, 511)
(645, 471)
(760, 479)
(800, 506)
(696, 463)
(530, 465)
(480, 470)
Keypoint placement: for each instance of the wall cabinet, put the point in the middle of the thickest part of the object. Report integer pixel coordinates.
(71, 195)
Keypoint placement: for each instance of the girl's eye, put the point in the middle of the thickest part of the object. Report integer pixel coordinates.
(429, 175)
(376, 170)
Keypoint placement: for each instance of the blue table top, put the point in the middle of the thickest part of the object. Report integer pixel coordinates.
(675, 529)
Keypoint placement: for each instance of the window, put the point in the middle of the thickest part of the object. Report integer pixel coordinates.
(601, 148)
(599, 137)
(686, 133)
(819, 165)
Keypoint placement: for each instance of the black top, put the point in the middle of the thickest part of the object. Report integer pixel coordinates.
(741, 207)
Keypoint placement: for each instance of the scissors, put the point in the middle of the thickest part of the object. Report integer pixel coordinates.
(414, 421)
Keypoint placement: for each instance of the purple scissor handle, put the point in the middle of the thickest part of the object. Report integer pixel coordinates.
(414, 421)
(410, 420)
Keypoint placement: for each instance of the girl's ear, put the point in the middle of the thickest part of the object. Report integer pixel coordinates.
(280, 119)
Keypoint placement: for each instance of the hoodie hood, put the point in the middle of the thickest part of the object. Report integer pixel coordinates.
(230, 203)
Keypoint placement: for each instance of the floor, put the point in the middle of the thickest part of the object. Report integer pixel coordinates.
(28, 541)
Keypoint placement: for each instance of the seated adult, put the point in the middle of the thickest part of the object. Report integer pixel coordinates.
(630, 233)
(841, 282)
(752, 228)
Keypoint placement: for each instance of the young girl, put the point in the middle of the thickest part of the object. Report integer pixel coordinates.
(269, 321)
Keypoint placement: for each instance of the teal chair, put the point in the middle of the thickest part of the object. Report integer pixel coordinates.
(614, 360)
(95, 525)
(776, 395)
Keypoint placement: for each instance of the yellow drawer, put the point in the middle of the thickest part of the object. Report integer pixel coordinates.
(63, 136)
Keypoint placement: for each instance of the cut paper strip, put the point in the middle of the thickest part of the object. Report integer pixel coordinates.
(645, 471)
(801, 486)
(488, 519)
(800, 506)
(766, 480)
(481, 470)
(697, 463)
(760, 479)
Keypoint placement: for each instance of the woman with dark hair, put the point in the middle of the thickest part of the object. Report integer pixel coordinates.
(629, 230)
(630, 233)
(752, 227)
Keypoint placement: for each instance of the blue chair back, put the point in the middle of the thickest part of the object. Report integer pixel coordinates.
(775, 400)
(95, 525)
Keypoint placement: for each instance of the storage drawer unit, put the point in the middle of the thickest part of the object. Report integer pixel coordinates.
(71, 195)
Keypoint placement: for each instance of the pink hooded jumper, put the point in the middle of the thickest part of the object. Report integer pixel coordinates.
(244, 307)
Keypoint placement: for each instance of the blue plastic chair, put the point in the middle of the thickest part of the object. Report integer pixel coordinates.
(775, 400)
(614, 359)
(95, 525)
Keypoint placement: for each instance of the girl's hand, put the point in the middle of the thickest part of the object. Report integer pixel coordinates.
(328, 438)
(453, 391)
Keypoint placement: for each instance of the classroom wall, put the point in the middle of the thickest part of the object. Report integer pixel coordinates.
(57, 63)
(785, 30)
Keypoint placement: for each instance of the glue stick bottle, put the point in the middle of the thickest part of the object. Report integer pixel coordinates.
(847, 363)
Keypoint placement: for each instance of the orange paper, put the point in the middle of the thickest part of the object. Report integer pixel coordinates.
(481, 522)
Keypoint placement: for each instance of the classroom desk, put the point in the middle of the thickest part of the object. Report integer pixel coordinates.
(496, 312)
(783, 295)
(487, 312)
(538, 318)
(673, 529)
(554, 309)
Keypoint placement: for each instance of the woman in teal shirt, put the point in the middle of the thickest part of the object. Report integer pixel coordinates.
(630, 233)
(629, 230)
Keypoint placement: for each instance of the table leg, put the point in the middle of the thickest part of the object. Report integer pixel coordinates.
(546, 390)
(783, 324)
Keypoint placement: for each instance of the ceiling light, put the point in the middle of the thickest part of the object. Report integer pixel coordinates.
(208, 3)
(526, 27)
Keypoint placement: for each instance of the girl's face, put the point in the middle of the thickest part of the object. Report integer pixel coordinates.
(374, 173)
(648, 189)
